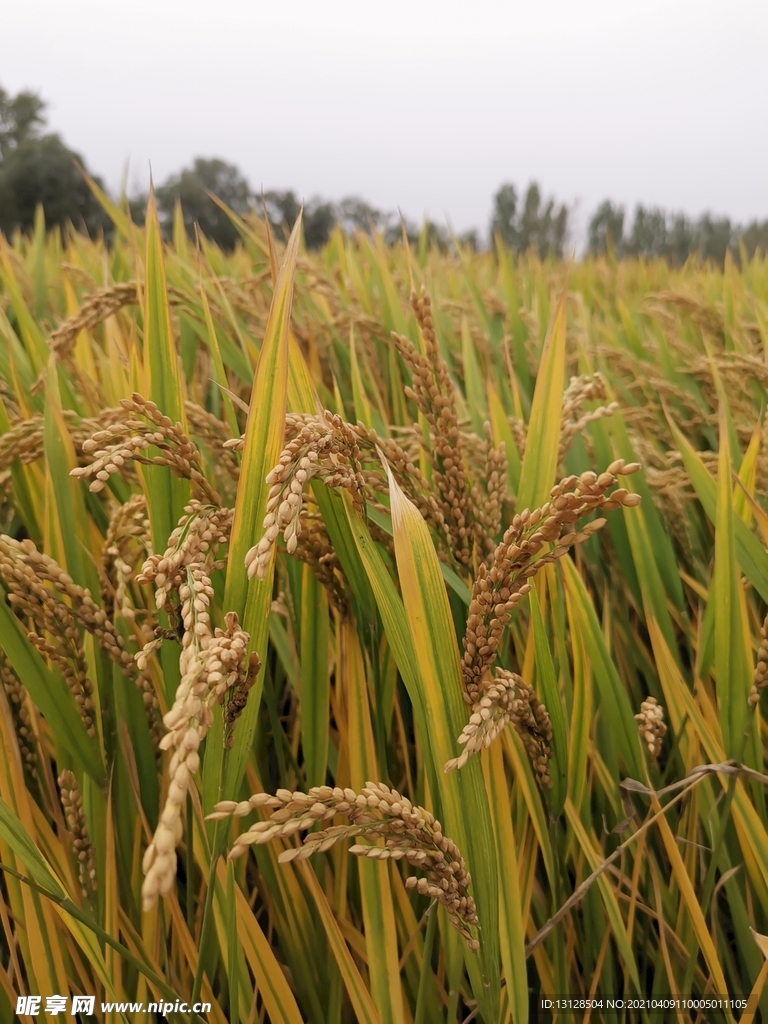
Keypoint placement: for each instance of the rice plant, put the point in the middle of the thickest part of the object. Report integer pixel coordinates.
(383, 631)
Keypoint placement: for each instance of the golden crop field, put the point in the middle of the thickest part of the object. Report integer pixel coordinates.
(382, 631)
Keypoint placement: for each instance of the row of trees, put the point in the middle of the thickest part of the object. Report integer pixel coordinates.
(656, 234)
(533, 224)
(193, 187)
(36, 167)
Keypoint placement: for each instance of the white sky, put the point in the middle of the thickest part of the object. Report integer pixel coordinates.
(424, 105)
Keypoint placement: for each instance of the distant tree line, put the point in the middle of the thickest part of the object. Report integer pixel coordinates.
(194, 186)
(37, 168)
(656, 234)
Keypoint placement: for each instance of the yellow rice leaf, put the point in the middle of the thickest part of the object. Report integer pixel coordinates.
(362, 1003)
(190, 952)
(761, 941)
(747, 477)
(264, 433)
(68, 513)
(519, 762)
(473, 379)
(11, 993)
(83, 351)
(581, 711)
(752, 556)
(613, 694)
(314, 674)
(757, 989)
(691, 902)
(594, 856)
(45, 965)
(750, 829)
(110, 890)
(502, 432)
(436, 652)
(732, 674)
(546, 684)
(363, 409)
(166, 494)
(219, 373)
(761, 518)
(511, 923)
(118, 217)
(31, 335)
(537, 475)
(375, 891)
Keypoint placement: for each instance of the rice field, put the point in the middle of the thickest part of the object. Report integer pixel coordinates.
(383, 631)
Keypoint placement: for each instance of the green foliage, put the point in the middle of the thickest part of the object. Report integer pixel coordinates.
(606, 229)
(21, 117)
(191, 188)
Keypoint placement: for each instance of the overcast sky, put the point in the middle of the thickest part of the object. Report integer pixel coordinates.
(424, 105)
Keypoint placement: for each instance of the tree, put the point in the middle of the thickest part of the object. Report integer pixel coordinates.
(40, 169)
(649, 234)
(754, 237)
(540, 225)
(137, 206)
(470, 239)
(543, 226)
(20, 118)
(395, 229)
(504, 219)
(557, 232)
(606, 229)
(529, 219)
(191, 188)
(319, 221)
(656, 234)
(680, 239)
(282, 209)
(354, 214)
(433, 236)
(713, 238)
(320, 216)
